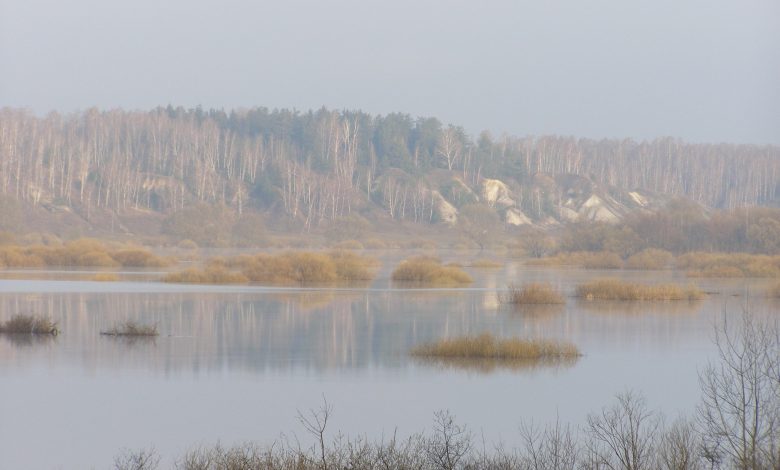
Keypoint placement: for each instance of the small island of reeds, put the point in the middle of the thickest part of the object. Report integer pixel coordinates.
(428, 271)
(615, 289)
(289, 268)
(487, 346)
(29, 325)
(530, 294)
(131, 328)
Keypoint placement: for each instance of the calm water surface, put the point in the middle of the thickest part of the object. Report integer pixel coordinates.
(236, 363)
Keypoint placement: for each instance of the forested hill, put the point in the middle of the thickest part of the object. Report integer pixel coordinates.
(321, 165)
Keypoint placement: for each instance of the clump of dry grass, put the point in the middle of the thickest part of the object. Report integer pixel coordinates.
(487, 346)
(210, 275)
(429, 271)
(485, 263)
(285, 268)
(82, 252)
(29, 324)
(701, 264)
(650, 259)
(584, 259)
(533, 293)
(614, 289)
(132, 328)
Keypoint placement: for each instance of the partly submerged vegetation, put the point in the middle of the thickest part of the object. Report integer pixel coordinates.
(487, 346)
(131, 328)
(428, 271)
(533, 293)
(615, 289)
(294, 267)
(210, 275)
(84, 252)
(29, 324)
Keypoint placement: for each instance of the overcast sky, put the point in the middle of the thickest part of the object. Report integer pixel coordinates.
(704, 70)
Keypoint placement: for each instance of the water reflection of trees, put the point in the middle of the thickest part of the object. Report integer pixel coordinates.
(275, 330)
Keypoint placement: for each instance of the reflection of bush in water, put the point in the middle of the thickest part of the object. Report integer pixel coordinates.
(537, 311)
(29, 340)
(490, 365)
(610, 307)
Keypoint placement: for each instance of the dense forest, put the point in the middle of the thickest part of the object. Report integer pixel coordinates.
(322, 165)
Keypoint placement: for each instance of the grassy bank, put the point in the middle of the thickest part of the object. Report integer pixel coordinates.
(429, 271)
(614, 289)
(533, 293)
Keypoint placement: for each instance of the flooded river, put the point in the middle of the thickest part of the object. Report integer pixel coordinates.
(234, 364)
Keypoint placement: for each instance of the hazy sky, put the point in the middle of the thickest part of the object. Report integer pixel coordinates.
(702, 70)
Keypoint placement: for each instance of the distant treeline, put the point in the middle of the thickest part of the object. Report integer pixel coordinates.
(319, 165)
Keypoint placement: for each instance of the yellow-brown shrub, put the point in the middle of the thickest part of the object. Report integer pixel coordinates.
(650, 258)
(429, 271)
(614, 289)
(533, 293)
(487, 346)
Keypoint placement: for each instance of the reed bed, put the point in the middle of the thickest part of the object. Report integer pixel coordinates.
(533, 293)
(30, 325)
(615, 289)
(429, 271)
(487, 346)
(210, 275)
(131, 328)
(83, 252)
(290, 268)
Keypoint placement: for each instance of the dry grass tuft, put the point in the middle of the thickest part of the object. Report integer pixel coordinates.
(210, 275)
(430, 272)
(614, 289)
(132, 328)
(534, 293)
(285, 269)
(487, 346)
(29, 324)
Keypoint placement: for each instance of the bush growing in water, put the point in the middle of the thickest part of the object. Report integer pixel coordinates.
(284, 268)
(534, 293)
(210, 275)
(487, 346)
(81, 252)
(614, 289)
(430, 271)
(29, 324)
